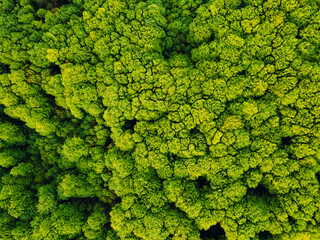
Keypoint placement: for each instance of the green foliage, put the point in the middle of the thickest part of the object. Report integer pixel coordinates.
(159, 119)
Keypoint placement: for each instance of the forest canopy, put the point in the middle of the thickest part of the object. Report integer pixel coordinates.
(159, 119)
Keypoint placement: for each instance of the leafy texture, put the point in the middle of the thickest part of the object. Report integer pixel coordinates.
(159, 119)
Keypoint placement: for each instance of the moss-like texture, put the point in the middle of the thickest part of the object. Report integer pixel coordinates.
(159, 119)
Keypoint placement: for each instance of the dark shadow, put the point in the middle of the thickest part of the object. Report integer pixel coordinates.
(129, 124)
(115, 201)
(108, 141)
(291, 220)
(286, 141)
(202, 182)
(5, 117)
(172, 205)
(216, 232)
(217, 58)
(260, 190)
(55, 69)
(167, 52)
(242, 73)
(211, 38)
(172, 157)
(48, 4)
(242, 5)
(265, 235)
(299, 35)
(257, 97)
(290, 155)
(318, 177)
(4, 68)
(195, 131)
(94, 123)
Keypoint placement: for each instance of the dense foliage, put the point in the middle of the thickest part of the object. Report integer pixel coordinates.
(159, 119)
